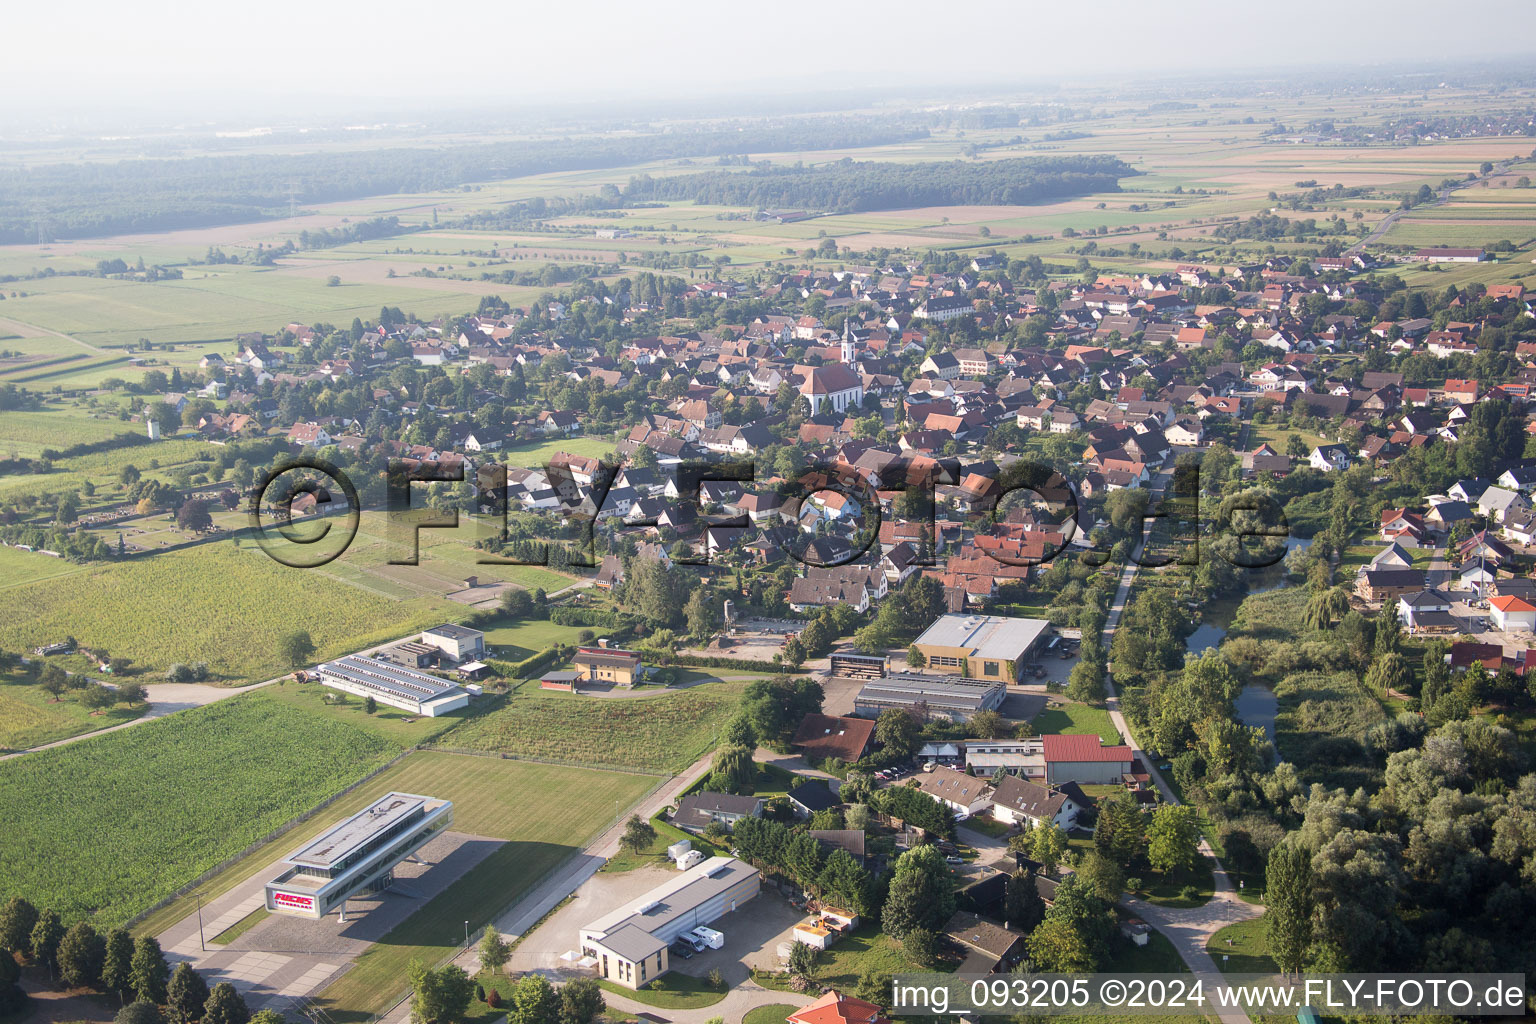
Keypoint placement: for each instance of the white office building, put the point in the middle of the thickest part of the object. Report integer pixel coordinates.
(628, 946)
(356, 857)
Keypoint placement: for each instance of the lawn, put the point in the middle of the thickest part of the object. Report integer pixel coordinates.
(209, 603)
(516, 641)
(1249, 949)
(182, 793)
(30, 717)
(21, 567)
(671, 991)
(241, 926)
(1158, 956)
(545, 813)
(1167, 890)
(661, 734)
(1078, 719)
(537, 453)
(773, 1013)
(865, 949)
(655, 853)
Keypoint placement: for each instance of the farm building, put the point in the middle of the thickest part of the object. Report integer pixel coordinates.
(628, 946)
(954, 696)
(357, 856)
(393, 684)
(981, 646)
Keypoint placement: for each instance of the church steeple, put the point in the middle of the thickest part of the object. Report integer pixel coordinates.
(848, 343)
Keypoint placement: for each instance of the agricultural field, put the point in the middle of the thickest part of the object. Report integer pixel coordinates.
(182, 793)
(27, 433)
(212, 603)
(18, 568)
(30, 717)
(545, 813)
(663, 733)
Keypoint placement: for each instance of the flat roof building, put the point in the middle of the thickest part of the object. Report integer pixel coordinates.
(356, 856)
(395, 685)
(981, 646)
(458, 642)
(630, 943)
(954, 696)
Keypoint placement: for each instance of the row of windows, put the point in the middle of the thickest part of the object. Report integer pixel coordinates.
(946, 662)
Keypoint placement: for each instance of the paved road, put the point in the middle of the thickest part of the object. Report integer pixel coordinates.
(1189, 930)
(168, 698)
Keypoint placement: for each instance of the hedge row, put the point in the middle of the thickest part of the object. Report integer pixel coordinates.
(533, 663)
(701, 661)
(597, 617)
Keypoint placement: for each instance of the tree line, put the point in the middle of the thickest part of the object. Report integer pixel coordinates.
(849, 186)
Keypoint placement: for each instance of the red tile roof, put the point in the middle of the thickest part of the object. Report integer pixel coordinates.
(1082, 748)
(837, 1009)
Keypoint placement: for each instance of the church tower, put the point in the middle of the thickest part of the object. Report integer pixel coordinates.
(848, 353)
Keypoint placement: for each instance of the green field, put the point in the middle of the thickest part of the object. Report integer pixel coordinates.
(537, 453)
(180, 793)
(544, 812)
(210, 603)
(21, 567)
(665, 733)
(518, 641)
(29, 717)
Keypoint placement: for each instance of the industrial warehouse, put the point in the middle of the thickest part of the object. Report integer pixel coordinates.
(395, 685)
(357, 856)
(981, 646)
(628, 946)
(954, 696)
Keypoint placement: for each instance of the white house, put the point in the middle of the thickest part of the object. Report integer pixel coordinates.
(1018, 801)
(1511, 614)
(1329, 457)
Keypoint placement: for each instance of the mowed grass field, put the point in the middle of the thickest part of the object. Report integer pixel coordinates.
(545, 813)
(210, 603)
(103, 829)
(29, 716)
(663, 733)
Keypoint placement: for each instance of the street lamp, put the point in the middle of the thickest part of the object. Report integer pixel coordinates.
(201, 944)
(466, 933)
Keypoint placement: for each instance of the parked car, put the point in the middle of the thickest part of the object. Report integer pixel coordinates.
(682, 949)
(952, 859)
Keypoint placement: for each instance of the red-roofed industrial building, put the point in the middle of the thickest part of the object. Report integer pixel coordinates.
(1084, 760)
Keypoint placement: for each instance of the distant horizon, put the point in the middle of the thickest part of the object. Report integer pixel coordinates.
(215, 64)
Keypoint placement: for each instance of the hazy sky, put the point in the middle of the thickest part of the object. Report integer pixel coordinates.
(515, 52)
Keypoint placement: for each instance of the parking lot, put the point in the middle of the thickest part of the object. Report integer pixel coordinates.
(752, 932)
